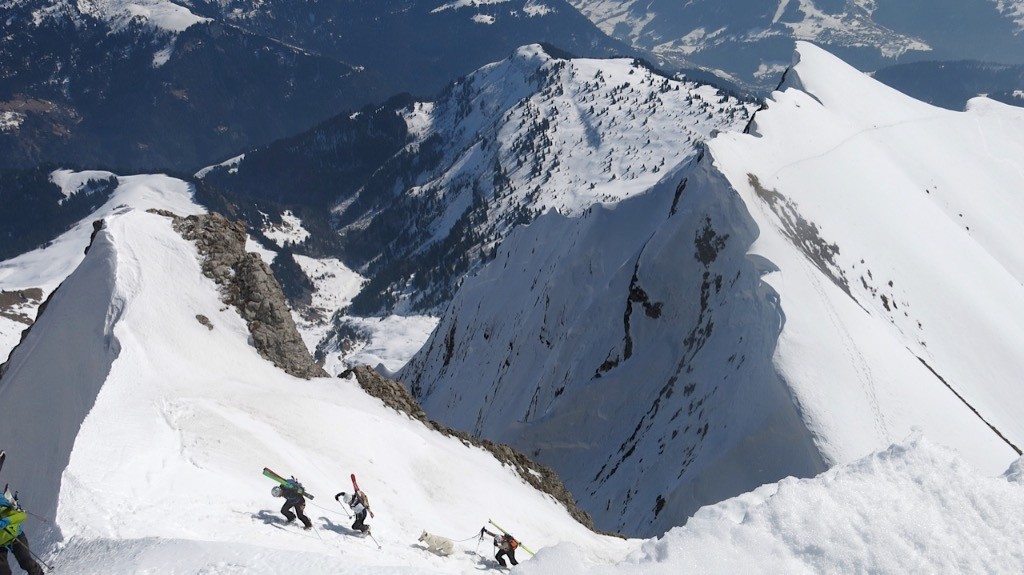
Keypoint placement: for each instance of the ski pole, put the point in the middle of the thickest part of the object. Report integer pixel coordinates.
(343, 507)
(32, 553)
(39, 517)
(374, 539)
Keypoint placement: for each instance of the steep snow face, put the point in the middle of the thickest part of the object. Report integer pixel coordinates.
(631, 348)
(158, 464)
(897, 224)
(45, 268)
(804, 295)
(157, 427)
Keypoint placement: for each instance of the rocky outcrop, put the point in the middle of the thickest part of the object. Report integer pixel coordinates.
(247, 283)
(542, 478)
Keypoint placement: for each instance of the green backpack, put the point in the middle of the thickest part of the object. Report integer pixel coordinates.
(11, 532)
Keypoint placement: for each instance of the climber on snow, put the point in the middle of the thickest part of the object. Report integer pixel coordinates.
(360, 507)
(13, 539)
(292, 491)
(506, 545)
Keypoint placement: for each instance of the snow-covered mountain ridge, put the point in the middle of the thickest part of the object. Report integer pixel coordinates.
(518, 138)
(803, 295)
(161, 421)
(43, 269)
(423, 191)
(157, 427)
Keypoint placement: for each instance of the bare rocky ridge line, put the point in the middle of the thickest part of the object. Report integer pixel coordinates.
(542, 478)
(247, 283)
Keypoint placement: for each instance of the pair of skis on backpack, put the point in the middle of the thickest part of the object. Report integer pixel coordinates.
(292, 483)
(288, 483)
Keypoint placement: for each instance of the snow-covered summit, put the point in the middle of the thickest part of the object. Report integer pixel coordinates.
(803, 295)
(45, 268)
(515, 139)
(583, 130)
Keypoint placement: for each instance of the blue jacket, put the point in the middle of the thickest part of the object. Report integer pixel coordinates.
(6, 507)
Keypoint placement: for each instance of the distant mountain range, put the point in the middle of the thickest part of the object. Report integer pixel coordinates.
(750, 41)
(417, 46)
(152, 85)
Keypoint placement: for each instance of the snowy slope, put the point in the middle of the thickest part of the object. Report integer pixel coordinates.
(800, 297)
(44, 269)
(157, 427)
(157, 430)
(912, 508)
(141, 433)
(914, 257)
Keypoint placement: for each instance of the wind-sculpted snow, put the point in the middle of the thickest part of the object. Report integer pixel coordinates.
(918, 209)
(913, 508)
(807, 293)
(166, 451)
(51, 380)
(631, 349)
(43, 269)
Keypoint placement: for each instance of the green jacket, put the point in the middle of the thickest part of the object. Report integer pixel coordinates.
(11, 519)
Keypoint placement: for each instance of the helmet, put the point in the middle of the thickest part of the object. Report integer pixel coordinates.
(276, 491)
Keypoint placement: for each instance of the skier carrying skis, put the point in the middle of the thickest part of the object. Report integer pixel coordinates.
(292, 490)
(506, 545)
(360, 507)
(12, 538)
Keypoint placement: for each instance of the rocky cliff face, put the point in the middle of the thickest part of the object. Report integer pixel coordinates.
(542, 478)
(248, 284)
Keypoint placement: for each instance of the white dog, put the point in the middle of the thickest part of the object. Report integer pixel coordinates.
(437, 544)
